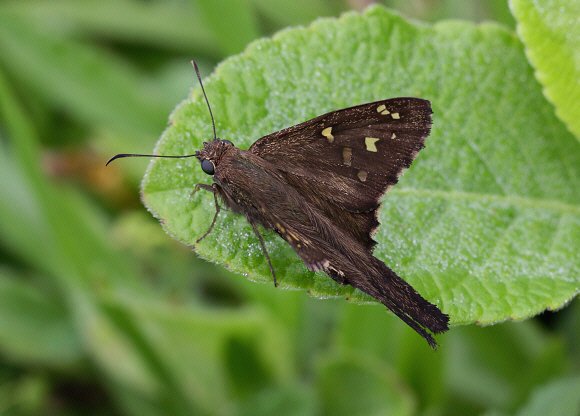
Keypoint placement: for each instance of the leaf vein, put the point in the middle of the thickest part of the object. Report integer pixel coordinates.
(512, 200)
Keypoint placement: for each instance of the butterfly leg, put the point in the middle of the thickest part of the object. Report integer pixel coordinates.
(203, 186)
(257, 232)
(212, 189)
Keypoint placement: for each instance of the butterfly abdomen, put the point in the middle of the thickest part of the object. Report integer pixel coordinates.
(379, 281)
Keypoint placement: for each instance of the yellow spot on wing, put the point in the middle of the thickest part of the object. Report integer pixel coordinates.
(362, 175)
(395, 116)
(383, 109)
(370, 143)
(327, 132)
(347, 156)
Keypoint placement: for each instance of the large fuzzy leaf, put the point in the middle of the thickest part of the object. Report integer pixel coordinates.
(551, 34)
(486, 223)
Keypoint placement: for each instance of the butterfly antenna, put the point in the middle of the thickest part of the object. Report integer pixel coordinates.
(205, 96)
(122, 155)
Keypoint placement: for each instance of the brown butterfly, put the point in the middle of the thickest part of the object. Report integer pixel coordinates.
(318, 185)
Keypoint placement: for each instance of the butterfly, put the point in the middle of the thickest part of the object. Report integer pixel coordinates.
(319, 184)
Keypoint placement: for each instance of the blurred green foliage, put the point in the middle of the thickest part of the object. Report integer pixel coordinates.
(102, 313)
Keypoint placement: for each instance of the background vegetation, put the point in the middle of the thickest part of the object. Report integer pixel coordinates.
(102, 313)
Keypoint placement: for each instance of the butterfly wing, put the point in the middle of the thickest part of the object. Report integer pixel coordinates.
(344, 161)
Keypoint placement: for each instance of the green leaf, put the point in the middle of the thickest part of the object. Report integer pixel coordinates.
(117, 354)
(22, 230)
(486, 223)
(213, 356)
(37, 216)
(174, 26)
(298, 11)
(289, 401)
(496, 367)
(34, 326)
(349, 384)
(551, 35)
(85, 81)
(558, 398)
(369, 331)
(28, 394)
(472, 10)
(232, 21)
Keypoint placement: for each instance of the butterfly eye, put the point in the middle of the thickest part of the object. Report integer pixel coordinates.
(207, 166)
(228, 142)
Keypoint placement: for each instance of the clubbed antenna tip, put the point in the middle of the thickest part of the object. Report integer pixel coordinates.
(122, 155)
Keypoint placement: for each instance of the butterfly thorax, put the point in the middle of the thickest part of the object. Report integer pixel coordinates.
(249, 184)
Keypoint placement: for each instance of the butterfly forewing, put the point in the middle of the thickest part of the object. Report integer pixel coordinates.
(347, 159)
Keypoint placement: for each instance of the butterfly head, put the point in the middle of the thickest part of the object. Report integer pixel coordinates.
(212, 153)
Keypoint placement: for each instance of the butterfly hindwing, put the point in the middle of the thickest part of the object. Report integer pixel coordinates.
(347, 159)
